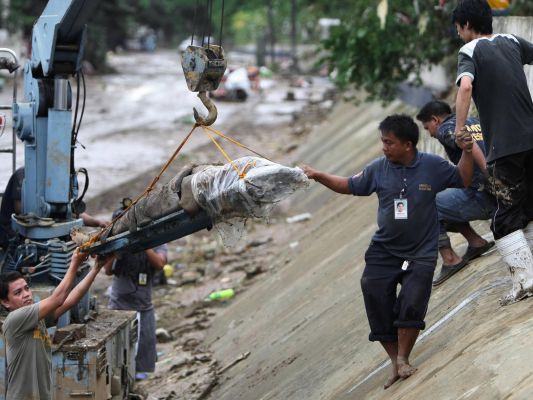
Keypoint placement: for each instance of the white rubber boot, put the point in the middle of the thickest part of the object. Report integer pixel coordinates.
(516, 253)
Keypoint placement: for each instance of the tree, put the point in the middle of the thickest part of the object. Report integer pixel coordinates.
(522, 8)
(108, 29)
(23, 14)
(377, 47)
(383, 43)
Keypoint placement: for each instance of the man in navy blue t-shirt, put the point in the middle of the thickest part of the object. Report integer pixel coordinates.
(403, 251)
(490, 71)
(457, 206)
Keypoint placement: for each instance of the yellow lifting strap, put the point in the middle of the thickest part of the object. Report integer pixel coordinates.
(235, 142)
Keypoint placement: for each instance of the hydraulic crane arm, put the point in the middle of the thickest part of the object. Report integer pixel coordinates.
(162, 230)
(43, 120)
(59, 36)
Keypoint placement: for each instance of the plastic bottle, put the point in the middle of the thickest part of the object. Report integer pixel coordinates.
(222, 294)
(168, 270)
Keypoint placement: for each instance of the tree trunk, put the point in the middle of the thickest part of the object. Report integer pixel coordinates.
(271, 32)
(294, 66)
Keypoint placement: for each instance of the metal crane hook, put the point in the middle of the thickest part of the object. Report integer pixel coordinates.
(213, 113)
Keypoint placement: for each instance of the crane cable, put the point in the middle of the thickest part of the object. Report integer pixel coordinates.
(206, 129)
(194, 21)
(209, 19)
(206, 25)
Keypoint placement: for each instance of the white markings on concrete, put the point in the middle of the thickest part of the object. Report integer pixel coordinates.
(435, 326)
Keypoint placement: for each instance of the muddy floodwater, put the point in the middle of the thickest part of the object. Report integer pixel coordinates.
(133, 119)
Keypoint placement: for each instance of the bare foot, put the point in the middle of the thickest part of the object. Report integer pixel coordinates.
(392, 378)
(405, 370)
(389, 382)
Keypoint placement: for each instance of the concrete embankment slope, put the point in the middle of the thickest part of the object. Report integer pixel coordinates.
(305, 326)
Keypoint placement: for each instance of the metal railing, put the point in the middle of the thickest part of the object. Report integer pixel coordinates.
(9, 107)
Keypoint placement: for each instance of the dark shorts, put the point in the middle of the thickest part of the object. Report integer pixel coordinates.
(386, 310)
(511, 182)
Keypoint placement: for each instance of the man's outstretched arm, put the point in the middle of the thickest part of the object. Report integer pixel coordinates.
(60, 293)
(479, 158)
(466, 163)
(336, 183)
(462, 102)
(156, 260)
(81, 288)
(89, 220)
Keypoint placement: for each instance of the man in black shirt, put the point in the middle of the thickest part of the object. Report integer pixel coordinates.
(490, 70)
(10, 205)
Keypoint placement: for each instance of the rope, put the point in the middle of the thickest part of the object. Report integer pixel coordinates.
(235, 142)
(241, 173)
(150, 187)
(219, 147)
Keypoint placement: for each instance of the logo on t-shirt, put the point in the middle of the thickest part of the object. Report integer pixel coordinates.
(425, 187)
(41, 334)
(475, 131)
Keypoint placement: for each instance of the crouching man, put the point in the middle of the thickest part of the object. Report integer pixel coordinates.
(28, 345)
(456, 207)
(403, 251)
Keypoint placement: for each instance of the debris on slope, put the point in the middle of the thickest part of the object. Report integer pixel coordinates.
(186, 368)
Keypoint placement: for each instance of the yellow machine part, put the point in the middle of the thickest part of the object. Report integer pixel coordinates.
(499, 4)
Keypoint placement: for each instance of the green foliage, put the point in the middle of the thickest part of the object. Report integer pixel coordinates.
(174, 19)
(23, 14)
(327, 8)
(376, 58)
(364, 55)
(522, 8)
(107, 31)
(247, 25)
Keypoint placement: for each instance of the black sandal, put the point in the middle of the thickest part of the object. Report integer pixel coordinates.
(474, 252)
(447, 271)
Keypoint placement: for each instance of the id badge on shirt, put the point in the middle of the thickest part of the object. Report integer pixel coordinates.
(143, 279)
(400, 208)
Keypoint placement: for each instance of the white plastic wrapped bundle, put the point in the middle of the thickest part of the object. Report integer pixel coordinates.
(218, 189)
(230, 200)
